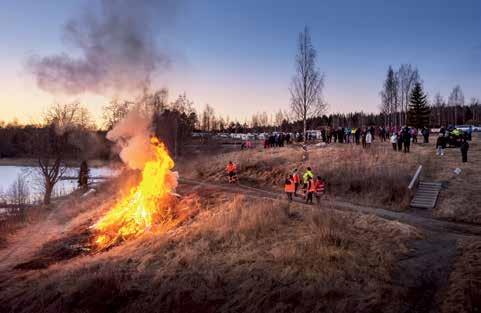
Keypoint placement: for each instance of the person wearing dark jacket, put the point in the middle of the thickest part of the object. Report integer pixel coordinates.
(406, 139)
(357, 134)
(464, 150)
(425, 133)
(400, 141)
(440, 145)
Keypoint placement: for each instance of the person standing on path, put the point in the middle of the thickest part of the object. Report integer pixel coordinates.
(394, 141)
(440, 145)
(406, 139)
(289, 188)
(464, 150)
(319, 187)
(296, 179)
(310, 189)
(363, 138)
(426, 134)
(368, 139)
(305, 179)
(400, 141)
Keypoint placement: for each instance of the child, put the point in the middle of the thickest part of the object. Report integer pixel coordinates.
(296, 179)
(319, 186)
(310, 189)
(289, 188)
(394, 141)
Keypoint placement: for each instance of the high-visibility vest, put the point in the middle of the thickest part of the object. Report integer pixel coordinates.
(231, 168)
(296, 178)
(290, 187)
(320, 186)
(311, 187)
(306, 176)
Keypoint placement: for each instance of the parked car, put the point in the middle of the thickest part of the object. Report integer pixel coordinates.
(464, 128)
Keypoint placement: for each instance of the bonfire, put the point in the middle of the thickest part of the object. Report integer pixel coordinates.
(145, 205)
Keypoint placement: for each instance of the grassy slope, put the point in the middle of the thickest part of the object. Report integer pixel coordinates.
(239, 253)
(234, 254)
(377, 177)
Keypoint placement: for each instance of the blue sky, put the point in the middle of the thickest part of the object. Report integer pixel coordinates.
(239, 55)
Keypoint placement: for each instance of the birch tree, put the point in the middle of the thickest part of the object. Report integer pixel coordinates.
(407, 77)
(456, 100)
(307, 84)
(389, 96)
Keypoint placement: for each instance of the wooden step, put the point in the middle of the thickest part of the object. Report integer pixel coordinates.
(426, 195)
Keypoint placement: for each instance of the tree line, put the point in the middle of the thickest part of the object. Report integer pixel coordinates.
(396, 102)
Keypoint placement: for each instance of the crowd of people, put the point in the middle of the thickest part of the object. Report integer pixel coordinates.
(277, 140)
(310, 186)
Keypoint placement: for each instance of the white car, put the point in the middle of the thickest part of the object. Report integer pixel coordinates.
(465, 128)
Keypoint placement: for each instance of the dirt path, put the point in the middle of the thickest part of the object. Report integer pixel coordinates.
(420, 220)
(424, 271)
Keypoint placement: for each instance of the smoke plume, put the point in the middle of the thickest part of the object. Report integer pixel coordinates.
(132, 135)
(116, 45)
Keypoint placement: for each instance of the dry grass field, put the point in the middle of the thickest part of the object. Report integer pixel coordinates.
(234, 254)
(378, 176)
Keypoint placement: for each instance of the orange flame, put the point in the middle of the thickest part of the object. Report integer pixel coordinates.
(144, 205)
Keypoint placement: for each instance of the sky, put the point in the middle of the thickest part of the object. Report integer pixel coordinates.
(238, 56)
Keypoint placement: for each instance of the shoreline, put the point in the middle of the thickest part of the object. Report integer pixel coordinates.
(28, 162)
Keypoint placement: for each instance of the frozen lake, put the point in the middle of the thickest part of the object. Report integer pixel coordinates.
(8, 175)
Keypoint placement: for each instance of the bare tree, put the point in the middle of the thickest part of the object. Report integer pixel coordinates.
(438, 104)
(456, 100)
(307, 84)
(19, 194)
(280, 117)
(208, 117)
(389, 96)
(52, 143)
(407, 76)
(114, 112)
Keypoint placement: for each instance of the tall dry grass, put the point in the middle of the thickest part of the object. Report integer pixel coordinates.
(463, 294)
(238, 254)
(376, 176)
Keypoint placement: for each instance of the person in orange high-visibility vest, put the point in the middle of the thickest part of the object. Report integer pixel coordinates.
(289, 188)
(231, 172)
(297, 180)
(320, 187)
(310, 190)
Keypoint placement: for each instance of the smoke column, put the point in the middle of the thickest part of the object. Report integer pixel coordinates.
(132, 135)
(117, 50)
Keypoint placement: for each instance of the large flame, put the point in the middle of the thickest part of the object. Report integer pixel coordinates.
(145, 204)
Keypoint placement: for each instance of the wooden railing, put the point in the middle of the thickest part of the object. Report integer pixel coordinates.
(415, 177)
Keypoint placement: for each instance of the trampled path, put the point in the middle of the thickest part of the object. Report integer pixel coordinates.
(455, 229)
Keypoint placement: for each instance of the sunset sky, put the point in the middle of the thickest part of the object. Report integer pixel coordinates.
(238, 56)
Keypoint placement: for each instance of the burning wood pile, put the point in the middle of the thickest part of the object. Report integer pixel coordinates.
(148, 205)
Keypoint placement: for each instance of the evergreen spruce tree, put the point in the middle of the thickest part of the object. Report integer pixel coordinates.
(419, 112)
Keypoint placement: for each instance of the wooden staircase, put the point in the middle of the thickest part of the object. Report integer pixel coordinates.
(426, 195)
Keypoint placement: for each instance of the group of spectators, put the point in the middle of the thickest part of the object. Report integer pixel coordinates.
(401, 139)
(277, 140)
